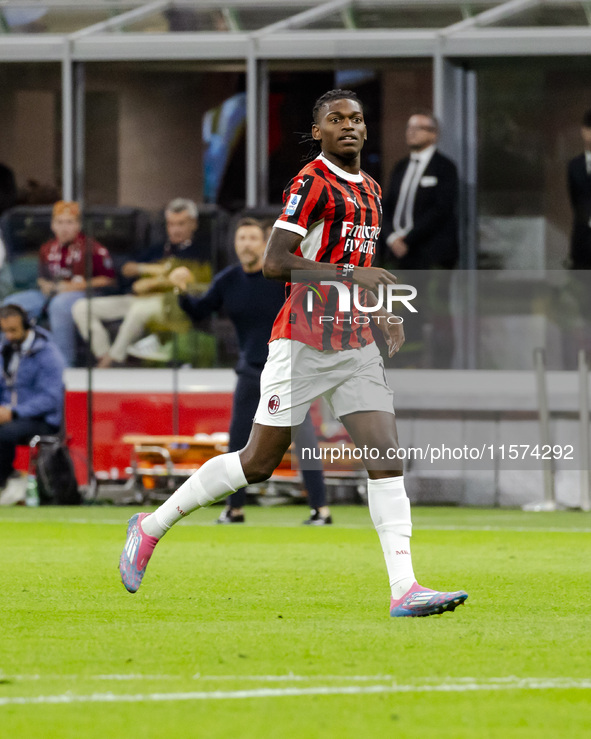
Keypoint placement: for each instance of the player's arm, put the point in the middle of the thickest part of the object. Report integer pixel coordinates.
(280, 262)
(197, 308)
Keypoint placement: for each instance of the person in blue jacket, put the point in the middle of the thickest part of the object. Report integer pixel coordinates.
(252, 303)
(31, 385)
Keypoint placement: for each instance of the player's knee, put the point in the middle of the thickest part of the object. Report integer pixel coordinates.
(256, 469)
(258, 473)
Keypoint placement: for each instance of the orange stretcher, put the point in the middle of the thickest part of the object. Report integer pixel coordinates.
(159, 463)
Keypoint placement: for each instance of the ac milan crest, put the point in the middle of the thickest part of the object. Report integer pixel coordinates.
(273, 405)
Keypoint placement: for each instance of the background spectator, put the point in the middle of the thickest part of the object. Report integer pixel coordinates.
(31, 386)
(149, 287)
(420, 209)
(62, 269)
(579, 189)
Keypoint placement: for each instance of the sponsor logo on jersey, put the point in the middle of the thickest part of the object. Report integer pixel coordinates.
(292, 204)
(352, 200)
(273, 404)
(359, 237)
(302, 181)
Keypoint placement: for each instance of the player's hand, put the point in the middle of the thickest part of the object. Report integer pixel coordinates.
(372, 277)
(393, 332)
(181, 277)
(5, 414)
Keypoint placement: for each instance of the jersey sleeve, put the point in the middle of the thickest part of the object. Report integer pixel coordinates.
(304, 200)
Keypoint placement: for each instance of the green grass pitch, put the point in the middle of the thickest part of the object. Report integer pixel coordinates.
(274, 629)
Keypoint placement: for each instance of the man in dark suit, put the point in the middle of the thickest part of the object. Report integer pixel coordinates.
(420, 209)
(579, 188)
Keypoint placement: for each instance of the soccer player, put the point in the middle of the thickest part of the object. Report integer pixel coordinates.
(252, 303)
(329, 226)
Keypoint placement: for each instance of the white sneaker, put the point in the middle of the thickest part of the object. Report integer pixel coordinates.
(14, 492)
(150, 348)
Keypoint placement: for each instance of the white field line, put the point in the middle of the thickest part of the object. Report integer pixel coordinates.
(289, 677)
(297, 525)
(459, 686)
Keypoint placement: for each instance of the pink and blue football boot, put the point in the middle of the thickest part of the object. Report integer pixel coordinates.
(420, 601)
(136, 553)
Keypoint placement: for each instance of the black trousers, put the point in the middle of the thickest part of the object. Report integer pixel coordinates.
(244, 406)
(14, 433)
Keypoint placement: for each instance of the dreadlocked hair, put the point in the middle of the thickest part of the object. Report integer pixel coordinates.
(331, 95)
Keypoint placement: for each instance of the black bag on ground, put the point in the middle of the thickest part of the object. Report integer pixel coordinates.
(56, 479)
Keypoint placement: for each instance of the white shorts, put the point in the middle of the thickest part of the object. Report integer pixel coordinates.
(296, 374)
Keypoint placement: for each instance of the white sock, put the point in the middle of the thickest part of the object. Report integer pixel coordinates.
(389, 508)
(216, 479)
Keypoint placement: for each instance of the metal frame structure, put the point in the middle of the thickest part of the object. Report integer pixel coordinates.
(474, 36)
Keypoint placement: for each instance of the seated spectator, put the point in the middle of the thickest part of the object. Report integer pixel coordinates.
(150, 285)
(62, 266)
(31, 386)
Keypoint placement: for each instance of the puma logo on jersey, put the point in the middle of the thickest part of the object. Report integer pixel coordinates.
(302, 181)
(352, 200)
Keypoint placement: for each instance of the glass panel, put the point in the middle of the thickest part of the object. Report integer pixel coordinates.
(30, 132)
(187, 18)
(565, 14)
(179, 19)
(529, 123)
(31, 19)
(401, 16)
(413, 15)
(328, 23)
(390, 91)
(156, 132)
(250, 19)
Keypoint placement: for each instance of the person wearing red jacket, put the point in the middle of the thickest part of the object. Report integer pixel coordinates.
(62, 281)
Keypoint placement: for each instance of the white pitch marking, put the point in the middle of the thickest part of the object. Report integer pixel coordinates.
(447, 687)
(297, 525)
(293, 678)
(205, 678)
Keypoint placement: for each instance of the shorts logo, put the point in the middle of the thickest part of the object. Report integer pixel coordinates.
(292, 204)
(273, 405)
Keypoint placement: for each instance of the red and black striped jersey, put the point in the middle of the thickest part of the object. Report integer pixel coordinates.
(340, 217)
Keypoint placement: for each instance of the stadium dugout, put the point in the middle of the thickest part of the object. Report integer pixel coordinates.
(121, 106)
